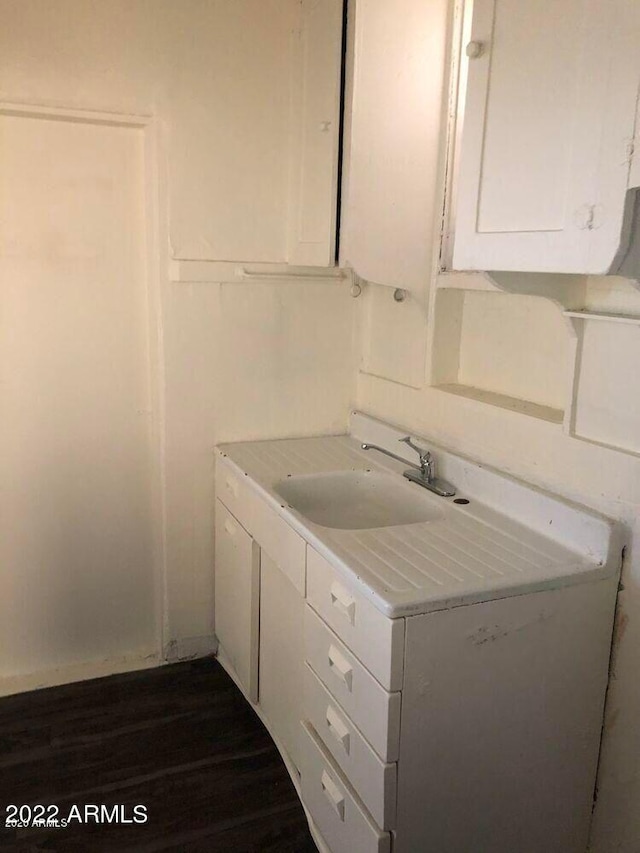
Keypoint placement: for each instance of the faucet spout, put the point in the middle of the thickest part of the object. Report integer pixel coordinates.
(422, 474)
(388, 453)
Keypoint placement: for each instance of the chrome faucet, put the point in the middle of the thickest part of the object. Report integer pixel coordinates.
(423, 474)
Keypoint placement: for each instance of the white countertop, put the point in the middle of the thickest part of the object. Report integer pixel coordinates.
(473, 553)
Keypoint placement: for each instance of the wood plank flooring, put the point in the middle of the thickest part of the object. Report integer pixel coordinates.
(180, 740)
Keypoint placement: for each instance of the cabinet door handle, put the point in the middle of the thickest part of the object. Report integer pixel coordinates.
(339, 665)
(343, 602)
(333, 794)
(230, 527)
(338, 729)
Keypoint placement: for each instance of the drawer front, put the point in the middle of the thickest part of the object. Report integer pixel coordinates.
(272, 533)
(334, 807)
(377, 641)
(374, 711)
(374, 781)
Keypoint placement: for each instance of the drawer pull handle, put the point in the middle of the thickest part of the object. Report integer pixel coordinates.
(343, 602)
(333, 794)
(232, 486)
(230, 527)
(338, 729)
(339, 665)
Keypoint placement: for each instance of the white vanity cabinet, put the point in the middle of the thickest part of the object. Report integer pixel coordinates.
(495, 743)
(546, 125)
(469, 720)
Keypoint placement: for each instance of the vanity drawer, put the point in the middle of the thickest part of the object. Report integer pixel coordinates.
(281, 542)
(343, 822)
(374, 711)
(377, 641)
(374, 781)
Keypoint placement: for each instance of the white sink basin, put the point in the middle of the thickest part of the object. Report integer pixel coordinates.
(358, 500)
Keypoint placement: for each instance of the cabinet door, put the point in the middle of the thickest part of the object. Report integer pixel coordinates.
(396, 60)
(237, 593)
(548, 118)
(281, 656)
(316, 107)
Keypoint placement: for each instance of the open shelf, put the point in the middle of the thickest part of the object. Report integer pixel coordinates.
(503, 401)
(562, 289)
(486, 347)
(470, 342)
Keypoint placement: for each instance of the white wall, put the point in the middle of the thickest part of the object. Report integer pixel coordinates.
(245, 360)
(392, 385)
(218, 76)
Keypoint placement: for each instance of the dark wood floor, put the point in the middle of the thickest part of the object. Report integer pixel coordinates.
(180, 740)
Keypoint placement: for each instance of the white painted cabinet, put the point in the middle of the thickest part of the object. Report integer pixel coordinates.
(546, 121)
(260, 581)
(395, 65)
(501, 718)
(501, 709)
(237, 586)
(314, 169)
(473, 727)
(281, 662)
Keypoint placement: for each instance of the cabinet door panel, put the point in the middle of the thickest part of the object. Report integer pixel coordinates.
(526, 161)
(397, 52)
(281, 655)
(273, 533)
(543, 171)
(314, 174)
(237, 590)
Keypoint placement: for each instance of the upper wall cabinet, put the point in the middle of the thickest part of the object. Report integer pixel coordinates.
(543, 161)
(252, 118)
(314, 168)
(395, 68)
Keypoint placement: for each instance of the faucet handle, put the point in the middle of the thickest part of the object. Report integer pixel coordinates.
(425, 455)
